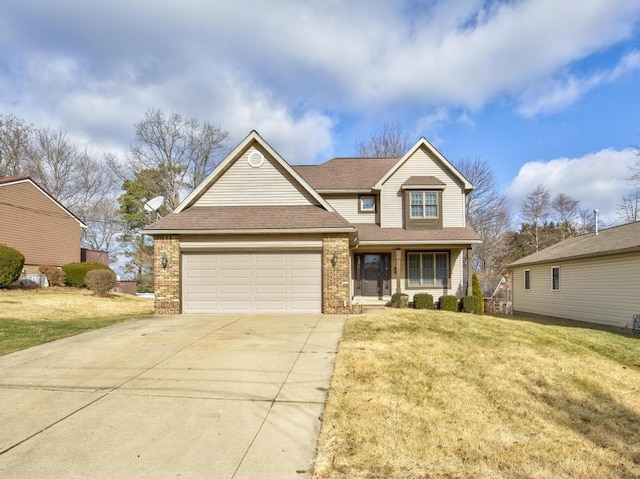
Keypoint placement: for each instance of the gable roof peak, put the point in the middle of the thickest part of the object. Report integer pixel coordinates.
(252, 138)
(424, 143)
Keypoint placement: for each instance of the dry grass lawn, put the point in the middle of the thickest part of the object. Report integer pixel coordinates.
(33, 316)
(448, 395)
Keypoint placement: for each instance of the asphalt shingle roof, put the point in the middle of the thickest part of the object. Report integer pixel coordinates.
(208, 218)
(346, 173)
(374, 233)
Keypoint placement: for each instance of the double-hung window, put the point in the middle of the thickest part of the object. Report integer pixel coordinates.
(527, 279)
(428, 269)
(424, 204)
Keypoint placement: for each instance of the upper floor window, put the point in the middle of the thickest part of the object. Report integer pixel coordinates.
(423, 209)
(367, 203)
(424, 204)
(555, 278)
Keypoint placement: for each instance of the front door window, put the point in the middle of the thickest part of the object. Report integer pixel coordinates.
(373, 274)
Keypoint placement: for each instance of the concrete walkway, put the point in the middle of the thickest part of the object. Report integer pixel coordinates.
(219, 396)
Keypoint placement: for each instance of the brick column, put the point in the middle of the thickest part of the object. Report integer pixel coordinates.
(335, 274)
(166, 281)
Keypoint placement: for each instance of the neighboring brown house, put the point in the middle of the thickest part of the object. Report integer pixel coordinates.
(260, 235)
(592, 277)
(37, 225)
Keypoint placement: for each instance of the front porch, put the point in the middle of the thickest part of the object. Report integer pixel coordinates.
(377, 273)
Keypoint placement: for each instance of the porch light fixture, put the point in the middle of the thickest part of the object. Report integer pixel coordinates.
(164, 259)
(334, 258)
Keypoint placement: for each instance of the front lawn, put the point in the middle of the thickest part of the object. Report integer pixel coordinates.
(448, 395)
(35, 316)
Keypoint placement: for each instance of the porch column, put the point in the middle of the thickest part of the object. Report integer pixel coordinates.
(469, 272)
(398, 269)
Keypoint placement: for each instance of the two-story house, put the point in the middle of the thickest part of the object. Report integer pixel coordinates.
(260, 235)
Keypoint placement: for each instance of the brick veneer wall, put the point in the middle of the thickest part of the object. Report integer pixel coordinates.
(166, 281)
(335, 279)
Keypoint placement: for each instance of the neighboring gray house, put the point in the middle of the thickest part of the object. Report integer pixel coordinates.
(593, 277)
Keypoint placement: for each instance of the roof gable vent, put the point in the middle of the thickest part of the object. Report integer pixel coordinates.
(256, 159)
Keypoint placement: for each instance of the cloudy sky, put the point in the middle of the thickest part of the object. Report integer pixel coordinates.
(546, 91)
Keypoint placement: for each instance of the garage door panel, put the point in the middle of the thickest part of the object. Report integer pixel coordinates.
(252, 282)
(241, 288)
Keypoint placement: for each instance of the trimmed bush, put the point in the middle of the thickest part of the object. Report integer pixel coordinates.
(469, 304)
(100, 281)
(448, 303)
(75, 273)
(144, 288)
(55, 276)
(400, 300)
(11, 263)
(423, 301)
(477, 293)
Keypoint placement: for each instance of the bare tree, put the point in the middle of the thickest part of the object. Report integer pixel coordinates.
(535, 210)
(629, 207)
(78, 180)
(487, 212)
(15, 136)
(182, 151)
(389, 141)
(566, 210)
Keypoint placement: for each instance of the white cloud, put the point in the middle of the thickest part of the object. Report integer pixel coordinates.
(559, 94)
(293, 69)
(597, 180)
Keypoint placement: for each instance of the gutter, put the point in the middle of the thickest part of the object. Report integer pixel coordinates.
(256, 231)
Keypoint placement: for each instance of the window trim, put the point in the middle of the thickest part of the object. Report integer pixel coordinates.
(424, 223)
(434, 285)
(367, 210)
(527, 280)
(554, 286)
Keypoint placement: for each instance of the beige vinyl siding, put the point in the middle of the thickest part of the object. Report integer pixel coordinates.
(421, 163)
(347, 207)
(250, 242)
(244, 185)
(37, 227)
(604, 290)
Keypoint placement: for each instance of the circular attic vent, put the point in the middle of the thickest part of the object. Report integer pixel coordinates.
(256, 159)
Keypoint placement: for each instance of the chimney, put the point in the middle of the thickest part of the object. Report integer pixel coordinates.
(595, 212)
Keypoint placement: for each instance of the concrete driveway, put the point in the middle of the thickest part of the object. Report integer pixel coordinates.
(215, 396)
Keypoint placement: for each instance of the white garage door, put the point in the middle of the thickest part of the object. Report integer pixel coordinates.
(251, 282)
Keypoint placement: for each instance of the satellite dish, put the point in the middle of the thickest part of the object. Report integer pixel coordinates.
(154, 204)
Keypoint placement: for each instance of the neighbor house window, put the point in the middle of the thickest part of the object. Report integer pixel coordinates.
(367, 204)
(527, 279)
(555, 278)
(427, 269)
(424, 204)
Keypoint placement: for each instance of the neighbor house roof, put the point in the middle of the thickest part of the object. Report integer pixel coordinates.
(620, 239)
(6, 181)
(374, 234)
(345, 174)
(217, 219)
